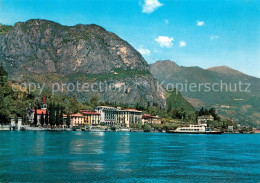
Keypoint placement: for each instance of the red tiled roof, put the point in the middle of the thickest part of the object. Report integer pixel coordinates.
(76, 115)
(132, 110)
(89, 112)
(85, 110)
(149, 116)
(40, 111)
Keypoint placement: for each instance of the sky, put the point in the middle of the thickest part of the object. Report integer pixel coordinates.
(204, 33)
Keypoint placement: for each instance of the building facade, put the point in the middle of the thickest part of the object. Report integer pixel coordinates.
(205, 119)
(91, 117)
(115, 116)
(107, 115)
(128, 117)
(149, 119)
(39, 112)
(77, 120)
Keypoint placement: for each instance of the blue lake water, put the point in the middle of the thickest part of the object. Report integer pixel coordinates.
(128, 157)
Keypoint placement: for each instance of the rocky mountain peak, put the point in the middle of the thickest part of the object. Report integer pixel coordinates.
(167, 63)
(42, 46)
(164, 66)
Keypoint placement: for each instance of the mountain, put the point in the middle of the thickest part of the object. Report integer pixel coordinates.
(237, 104)
(41, 46)
(46, 52)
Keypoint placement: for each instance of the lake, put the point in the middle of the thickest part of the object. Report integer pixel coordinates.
(128, 157)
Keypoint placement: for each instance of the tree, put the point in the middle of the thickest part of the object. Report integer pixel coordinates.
(146, 128)
(52, 115)
(94, 101)
(68, 120)
(73, 105)
(3, 75)
(57, 121)
(35, 117)
(46, 118)
(42, 119)
(4, 117)
(169, 108)
(201, 111)
(61, 117)
(148, 104)
(212, 112)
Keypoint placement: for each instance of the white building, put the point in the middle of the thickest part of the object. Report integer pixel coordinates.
(107, 115)
(205, 119)
(230, 129)
(128, 117)
(113, 116)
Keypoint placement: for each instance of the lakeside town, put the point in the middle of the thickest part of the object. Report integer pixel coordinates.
(24, 111)
(129, 91)
(107, 118)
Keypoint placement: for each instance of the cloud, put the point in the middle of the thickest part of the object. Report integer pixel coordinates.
(213, 37)
(200, 23)
(150, 6)
(164, 41)
(166, 21)
(144, 51)
(182, 44)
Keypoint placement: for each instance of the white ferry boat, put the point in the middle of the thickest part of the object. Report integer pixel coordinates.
(195, 129)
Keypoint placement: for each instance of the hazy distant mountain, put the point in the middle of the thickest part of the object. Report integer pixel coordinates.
(242, 107)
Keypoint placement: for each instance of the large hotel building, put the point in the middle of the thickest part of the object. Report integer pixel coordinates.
(116, 116)
(111, 116)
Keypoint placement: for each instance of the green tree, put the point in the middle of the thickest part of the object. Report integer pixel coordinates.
(61, 116)
(178, 107)
(137, 126)
(52, 115)
(42, 119)
(68, 120)
(4, 89)
(46, 118)
(201, 111)
(57, 122)
(146, 128)
(35, 117)
(73, 104)
(3, 75)
(94, 101)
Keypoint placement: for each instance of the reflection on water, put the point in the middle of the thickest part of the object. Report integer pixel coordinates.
(128, 157)
(101, 134)
(123, 144)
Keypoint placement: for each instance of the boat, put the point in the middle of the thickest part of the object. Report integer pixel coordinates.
(83, 128)
(135, 130)
(123, 130)
(4, 127)
(76, 128)
(97, 129)
(23, 128)
(195, 129)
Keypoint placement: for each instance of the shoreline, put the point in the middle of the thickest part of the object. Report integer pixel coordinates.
(129, 130)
